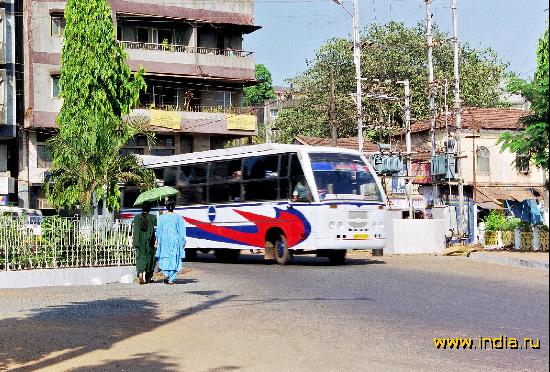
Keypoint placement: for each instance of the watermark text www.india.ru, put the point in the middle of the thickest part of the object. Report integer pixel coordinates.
(487, 343)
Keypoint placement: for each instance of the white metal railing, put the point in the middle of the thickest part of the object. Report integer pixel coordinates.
(64, 242)
(185, 49)
(201, 108)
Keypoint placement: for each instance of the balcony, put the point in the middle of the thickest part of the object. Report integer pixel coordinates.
(231, 64)
(136, 45)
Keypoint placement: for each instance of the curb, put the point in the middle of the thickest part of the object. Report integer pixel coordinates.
(67, 277)
(531, 264)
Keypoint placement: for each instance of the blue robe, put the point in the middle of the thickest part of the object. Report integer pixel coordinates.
(170, 243)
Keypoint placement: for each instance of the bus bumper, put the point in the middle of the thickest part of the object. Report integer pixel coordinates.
(350, 243)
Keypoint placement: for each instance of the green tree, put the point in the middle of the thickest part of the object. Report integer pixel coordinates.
(255, 95)
(98, 90)
(394, 52)
(532, 141)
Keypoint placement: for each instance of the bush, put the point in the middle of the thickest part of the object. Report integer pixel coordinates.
(542, 227)
(510, 224)
(494, 221)
(524, 226)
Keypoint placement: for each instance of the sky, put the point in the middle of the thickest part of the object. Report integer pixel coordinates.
(292, 30)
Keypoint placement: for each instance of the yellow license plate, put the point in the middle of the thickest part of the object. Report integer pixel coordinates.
(360, 236)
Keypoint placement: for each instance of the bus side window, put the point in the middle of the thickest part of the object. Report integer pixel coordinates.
(260, 190)
(283, 167)
(192, 184)
(284, 187)
(221, 171)
(192, 174)
(225, 181)
(170, 176)
(191, 194)
(299, 189)
(159, 173)
(261, 174)
(260, 167)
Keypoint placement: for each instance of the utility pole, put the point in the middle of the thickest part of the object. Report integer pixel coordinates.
(431, 86)
(332, 111)
(267, 124)
(357, 60)
(407, 110)
(408, 142)
(458, 124)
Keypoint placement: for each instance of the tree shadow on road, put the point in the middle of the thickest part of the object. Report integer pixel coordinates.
(139, 362)
(267, 301)
(58, 333)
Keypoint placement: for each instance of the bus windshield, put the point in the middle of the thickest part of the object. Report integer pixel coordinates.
(343, 176)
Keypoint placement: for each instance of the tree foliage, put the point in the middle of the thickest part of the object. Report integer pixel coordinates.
(98, 89)
(532, 140)
(255, 95)
(394, 52)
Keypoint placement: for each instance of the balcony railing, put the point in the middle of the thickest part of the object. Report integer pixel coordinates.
(185, 49)
(201, 108)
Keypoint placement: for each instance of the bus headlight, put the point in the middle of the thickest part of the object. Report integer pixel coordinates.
(331, 225)
(340, 225)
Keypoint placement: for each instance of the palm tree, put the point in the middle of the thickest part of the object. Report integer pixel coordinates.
(90, 167)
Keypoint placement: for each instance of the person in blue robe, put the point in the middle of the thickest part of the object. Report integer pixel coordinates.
(170, 243)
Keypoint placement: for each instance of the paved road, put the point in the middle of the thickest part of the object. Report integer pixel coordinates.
(371, 314)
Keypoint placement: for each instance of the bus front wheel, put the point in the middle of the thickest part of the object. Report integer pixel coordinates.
(337, 256)
(282, 253)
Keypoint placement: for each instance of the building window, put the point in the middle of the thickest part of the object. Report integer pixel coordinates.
(131, 150)
(186, 144)
(55, 86)
(483, 160)
(522, 163)
(57, 25)
(273, 113)
(44, 156)
(162, 152)
(224, 99)
(137, 141)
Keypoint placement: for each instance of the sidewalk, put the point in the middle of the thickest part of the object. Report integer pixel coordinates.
(532, 260)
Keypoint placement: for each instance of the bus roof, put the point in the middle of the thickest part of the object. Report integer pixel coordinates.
(152, 161)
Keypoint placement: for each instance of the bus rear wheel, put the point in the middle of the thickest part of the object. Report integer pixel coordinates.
(336, 256)
(190, 254)
(282, 253)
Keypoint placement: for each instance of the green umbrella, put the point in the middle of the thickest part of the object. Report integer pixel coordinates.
(155, 194)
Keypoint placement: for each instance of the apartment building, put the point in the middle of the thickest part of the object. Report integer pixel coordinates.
(195, 74)
(9, 73)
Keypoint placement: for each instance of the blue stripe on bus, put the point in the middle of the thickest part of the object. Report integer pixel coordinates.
(196, 233)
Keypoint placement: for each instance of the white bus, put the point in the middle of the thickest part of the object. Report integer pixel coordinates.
(282, 199)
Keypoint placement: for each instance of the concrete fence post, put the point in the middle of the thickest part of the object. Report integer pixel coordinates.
(536, 238)
(500, 243)
(517, 239)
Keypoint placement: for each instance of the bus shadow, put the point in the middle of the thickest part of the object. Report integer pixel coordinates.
(298, 260)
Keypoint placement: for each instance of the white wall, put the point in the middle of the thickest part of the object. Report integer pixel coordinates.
(415, 236)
